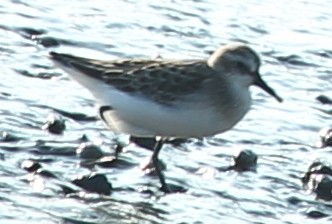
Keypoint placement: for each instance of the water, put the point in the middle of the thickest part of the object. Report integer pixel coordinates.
(294, 40)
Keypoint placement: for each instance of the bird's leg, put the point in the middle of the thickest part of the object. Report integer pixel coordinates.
(154, 163)
(157, 164)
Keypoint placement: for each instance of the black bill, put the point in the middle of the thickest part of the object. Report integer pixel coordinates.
(259, 82)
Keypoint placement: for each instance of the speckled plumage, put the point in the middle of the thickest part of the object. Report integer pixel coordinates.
(161, 81)
(171, 98)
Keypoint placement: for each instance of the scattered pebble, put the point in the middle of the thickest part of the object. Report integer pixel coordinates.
(30, 165)
(316, 214)
(246, 160)
(324, 99)
(294, 200)
(83, 138)
(96, 183)
(316, 167)
(318, 179)
(54, 125)
(30, 32)
(67, 190)
(323, 187)
(325, 135)
(89, 151)
(48, 41)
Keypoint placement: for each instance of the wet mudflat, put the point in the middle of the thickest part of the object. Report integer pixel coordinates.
(60, 164)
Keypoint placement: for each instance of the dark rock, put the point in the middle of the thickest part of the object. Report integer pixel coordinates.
(245, 161)
(316, 214)
(54, 125)
(324, 99)
(318, 179)
(96, 183)
(67, 190)
(84, 138)
(294, 200)
(323, 188)
(48, 41)
(28, 32)
(30, 165)
(325, 135)
(316, 167)
(89, 151)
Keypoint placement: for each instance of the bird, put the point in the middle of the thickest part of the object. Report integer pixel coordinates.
(165, 98)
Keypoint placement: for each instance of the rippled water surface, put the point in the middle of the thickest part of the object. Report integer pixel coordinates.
(294, 41)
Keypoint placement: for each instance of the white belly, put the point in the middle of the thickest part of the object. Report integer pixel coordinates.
(141, 117)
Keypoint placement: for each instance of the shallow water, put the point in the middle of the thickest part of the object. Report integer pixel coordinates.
(294, 40)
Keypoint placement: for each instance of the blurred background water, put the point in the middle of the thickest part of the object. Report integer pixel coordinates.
(294, 41)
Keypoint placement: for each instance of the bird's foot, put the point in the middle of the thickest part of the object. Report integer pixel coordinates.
(148, 166)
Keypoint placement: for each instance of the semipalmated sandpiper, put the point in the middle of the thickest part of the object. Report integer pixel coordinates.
(170, 98)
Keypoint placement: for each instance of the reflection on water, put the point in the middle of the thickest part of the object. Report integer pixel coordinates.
(295, 46)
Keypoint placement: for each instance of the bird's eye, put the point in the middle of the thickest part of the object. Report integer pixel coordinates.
(241, 66)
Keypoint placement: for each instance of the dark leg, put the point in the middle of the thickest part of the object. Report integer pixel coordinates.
(157, 165)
